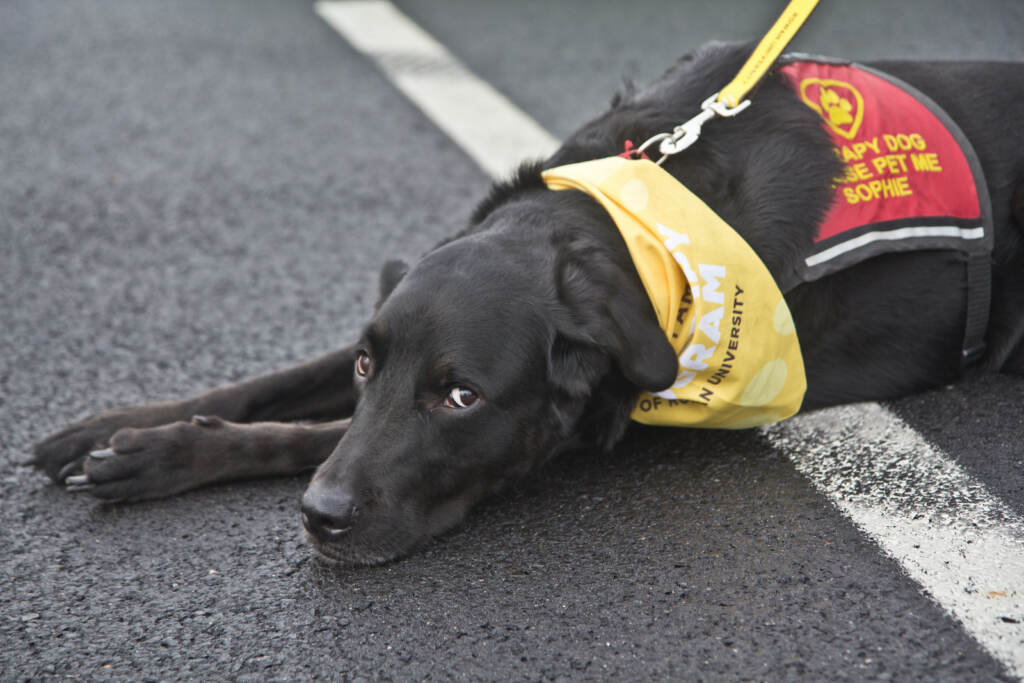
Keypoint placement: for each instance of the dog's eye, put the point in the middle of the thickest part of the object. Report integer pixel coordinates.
(364, 364)
(460, 397)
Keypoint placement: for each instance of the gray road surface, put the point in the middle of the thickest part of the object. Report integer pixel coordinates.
(194, 192)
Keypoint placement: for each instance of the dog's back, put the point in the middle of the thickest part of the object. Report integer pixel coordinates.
(986, 100)
(769, 173)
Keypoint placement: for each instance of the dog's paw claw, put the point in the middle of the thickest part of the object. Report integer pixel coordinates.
(65, 451)
(78, 482)
(73, 467)
(101, 454)
(207, 421)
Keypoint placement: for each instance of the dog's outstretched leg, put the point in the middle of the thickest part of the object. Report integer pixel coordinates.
(319, 389)
(163, 461)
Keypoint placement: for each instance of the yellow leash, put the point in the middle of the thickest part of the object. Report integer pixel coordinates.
(729, 100)
(767, 51)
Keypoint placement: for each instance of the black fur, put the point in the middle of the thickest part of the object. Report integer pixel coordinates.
(530, 332)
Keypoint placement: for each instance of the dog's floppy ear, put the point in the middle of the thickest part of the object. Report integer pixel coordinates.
(605, 321)
(609, 310)
(391, 273)
(643, 352)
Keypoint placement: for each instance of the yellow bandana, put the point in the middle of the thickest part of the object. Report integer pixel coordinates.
(739, 358)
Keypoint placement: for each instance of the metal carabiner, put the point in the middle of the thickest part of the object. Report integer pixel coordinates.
(638, 152)
(685, 134)
(722, 108)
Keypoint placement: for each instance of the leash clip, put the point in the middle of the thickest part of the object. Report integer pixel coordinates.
(685, 134)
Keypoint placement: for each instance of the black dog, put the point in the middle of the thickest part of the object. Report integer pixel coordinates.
(530, 332)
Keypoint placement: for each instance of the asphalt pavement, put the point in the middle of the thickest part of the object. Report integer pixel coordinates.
(193, 193)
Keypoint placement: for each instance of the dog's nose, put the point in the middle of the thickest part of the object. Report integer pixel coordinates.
(327, 513)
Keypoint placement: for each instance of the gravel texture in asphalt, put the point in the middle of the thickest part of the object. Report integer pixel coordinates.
(193, 193)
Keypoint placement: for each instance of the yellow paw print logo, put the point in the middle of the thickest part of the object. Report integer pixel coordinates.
(838, 103)
(838, 108)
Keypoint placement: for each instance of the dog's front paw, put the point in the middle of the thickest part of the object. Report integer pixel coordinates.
(63, 452)
(152, 463)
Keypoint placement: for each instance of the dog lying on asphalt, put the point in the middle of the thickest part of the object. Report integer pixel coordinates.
(530, 331)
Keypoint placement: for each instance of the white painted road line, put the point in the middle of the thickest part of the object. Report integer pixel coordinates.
(963, 545)
(484, 123)
(959, 542)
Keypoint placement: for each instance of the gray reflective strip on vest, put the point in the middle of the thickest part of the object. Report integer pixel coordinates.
(897, 234)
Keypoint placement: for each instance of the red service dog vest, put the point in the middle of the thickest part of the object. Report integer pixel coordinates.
(912, 180)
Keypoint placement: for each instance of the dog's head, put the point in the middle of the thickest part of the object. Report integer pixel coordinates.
(486, 357)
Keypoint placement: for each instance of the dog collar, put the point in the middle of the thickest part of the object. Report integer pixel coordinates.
(739, 357)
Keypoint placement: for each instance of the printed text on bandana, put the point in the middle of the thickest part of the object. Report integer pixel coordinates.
(708, 333)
